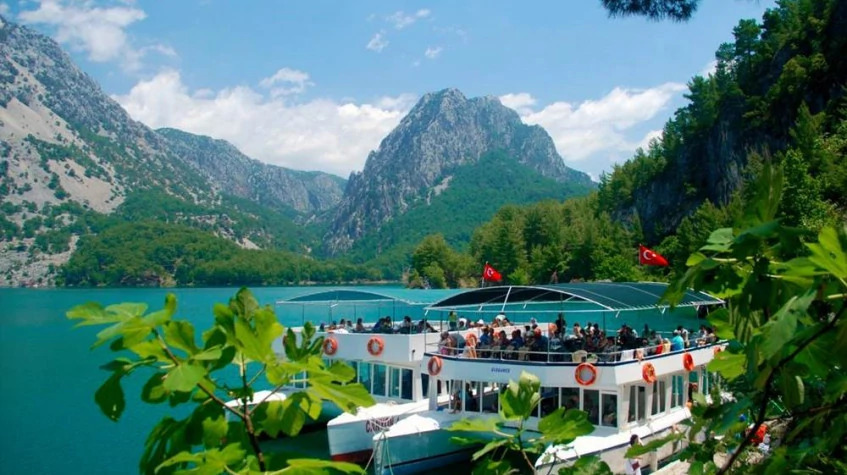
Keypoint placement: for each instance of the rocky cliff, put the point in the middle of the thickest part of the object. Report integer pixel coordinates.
(445, 130)
(66, 145)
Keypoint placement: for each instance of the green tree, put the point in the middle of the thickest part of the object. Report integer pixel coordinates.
(787, 341)
(233, 356)
(676, 10)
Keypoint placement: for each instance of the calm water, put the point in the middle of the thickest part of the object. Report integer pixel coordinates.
(48, 376)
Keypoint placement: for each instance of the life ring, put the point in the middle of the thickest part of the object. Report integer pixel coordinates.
(687, 361)
(648, 372)
(585, 381)
(639, 354)
(434, 366)
(375, 346)
(471, 340)
(330, 346)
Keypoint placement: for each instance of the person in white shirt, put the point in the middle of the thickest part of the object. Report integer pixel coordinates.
(632, 466)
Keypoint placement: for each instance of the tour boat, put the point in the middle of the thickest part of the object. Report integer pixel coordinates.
(633, 391)
(387, 364)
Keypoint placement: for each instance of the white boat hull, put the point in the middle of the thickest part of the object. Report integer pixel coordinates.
(419, 444)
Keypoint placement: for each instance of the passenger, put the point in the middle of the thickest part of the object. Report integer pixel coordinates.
(684, 333)
(406, 326)
(485, 339)
(447, 345)
(360, 327)
(632, 466)
(677, 343)
(561, 324)
(452, 319)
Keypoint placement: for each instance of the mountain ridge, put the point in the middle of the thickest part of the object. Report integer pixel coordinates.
(443, 130)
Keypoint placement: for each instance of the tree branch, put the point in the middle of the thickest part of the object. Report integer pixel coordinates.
(763, 404)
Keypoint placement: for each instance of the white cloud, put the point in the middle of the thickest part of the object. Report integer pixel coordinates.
(4, 8)
(377, 43)
(98, 31)
(521, 102)
(292, 80)
(709, 68)
(599, 126)
(164, 50)
(322, 134)
(401, 20)
(433, 53)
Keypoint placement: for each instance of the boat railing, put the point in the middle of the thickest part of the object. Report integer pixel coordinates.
(557, 352)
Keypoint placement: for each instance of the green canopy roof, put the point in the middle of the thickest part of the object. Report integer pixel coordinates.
(579, 297)
(360, 296)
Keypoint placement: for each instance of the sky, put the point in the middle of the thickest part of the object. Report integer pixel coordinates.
(316, 85)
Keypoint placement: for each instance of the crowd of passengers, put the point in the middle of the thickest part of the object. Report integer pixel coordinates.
(384, 325)
(502, 339)
(533, 344)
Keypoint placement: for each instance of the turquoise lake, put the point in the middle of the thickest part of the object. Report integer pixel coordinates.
(50, 423)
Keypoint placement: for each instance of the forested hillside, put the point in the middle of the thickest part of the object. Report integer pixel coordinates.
(777, 96)
(472, 195)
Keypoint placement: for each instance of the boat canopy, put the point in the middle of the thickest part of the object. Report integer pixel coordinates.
(411, 297)
(573, 297)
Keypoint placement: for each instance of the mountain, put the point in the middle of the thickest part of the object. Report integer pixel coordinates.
(67, 150)
(444, 131)
(476, 192)
(268, 185)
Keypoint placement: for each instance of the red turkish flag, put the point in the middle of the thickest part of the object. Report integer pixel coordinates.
(490, 274)
(649, 257)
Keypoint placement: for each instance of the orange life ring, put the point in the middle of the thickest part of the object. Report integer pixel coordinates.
(471, 340)
(585, 381)
(330, 346)
(375, 346)
(648, 372)
(434, 366)
(687, 361)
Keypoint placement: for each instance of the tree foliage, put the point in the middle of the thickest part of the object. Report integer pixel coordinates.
(508, 445)
(785, 366)
(230, 359)
(676, 10)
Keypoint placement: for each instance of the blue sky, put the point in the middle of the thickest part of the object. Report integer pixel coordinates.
(316, 85)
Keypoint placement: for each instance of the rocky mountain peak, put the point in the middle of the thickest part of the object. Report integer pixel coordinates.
(443, 131)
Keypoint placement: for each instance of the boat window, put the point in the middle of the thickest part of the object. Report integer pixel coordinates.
(549, 401)
(407, 387)
(591, 405)
(424, 384)
(393, 382)
(676, 395)
(379, 379)
(637, 403)
(300, 380)
(355, 366)
(365, 375)
(570, 398)
(659, 398)
(491, 398)
(610, 410)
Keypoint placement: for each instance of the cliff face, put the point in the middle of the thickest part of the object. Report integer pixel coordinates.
(443, 131)
(268, 185)
(63, 141)
(793, 59)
